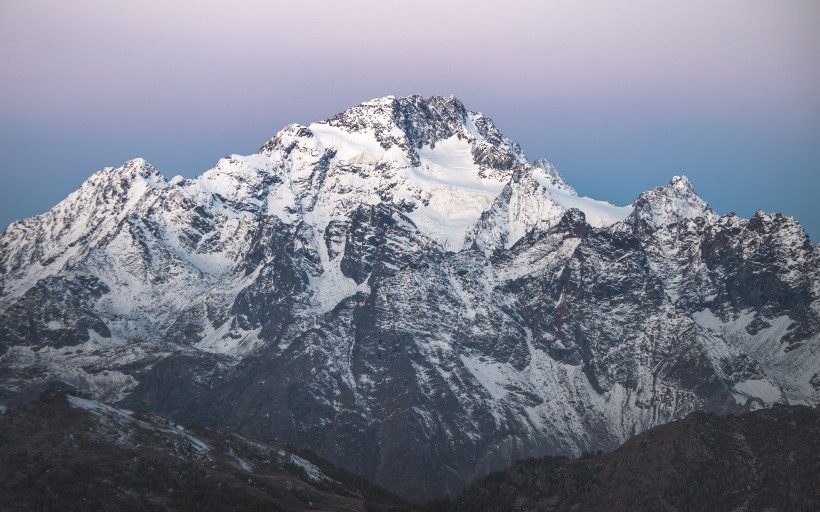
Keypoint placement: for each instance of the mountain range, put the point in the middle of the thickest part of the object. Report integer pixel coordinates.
(399, 289)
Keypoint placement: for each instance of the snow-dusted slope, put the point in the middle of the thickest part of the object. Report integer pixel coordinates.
(87, 455)
(399, 289)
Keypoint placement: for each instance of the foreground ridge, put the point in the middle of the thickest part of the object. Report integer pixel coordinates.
(70, 453)
(765, 460)
(400, 290)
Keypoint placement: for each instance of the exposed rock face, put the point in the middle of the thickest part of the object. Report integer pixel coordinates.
(398, 289)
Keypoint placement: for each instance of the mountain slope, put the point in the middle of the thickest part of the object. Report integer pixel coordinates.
(398, 289)
(764, 460)
(70, 453)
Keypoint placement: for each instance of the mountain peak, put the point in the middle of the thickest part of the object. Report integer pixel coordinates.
(681, 183)
(422, 121)
(414, 122)
(552, 173)
(414, 101)
(131, 172)
(672, 203)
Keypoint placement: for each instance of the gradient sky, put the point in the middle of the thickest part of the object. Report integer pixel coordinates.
(619, 95)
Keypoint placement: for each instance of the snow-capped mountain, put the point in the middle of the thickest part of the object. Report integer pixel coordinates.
(400, 290)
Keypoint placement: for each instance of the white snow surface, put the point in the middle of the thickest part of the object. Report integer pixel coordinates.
(598, 213)
(99, 407)
(312, 472)
(762, 389)
(447, 187)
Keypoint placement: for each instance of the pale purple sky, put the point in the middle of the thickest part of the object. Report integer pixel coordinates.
(620, 95)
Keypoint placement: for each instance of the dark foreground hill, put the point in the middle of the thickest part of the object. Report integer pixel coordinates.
(67, 453)
(764, 460)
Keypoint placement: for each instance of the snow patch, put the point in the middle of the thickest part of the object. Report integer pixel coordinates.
(764, 390)
(312, 472)
(598, 213)
(97, 407)
(787, 372)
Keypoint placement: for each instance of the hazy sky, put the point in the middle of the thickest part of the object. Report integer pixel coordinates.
(620, 95)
